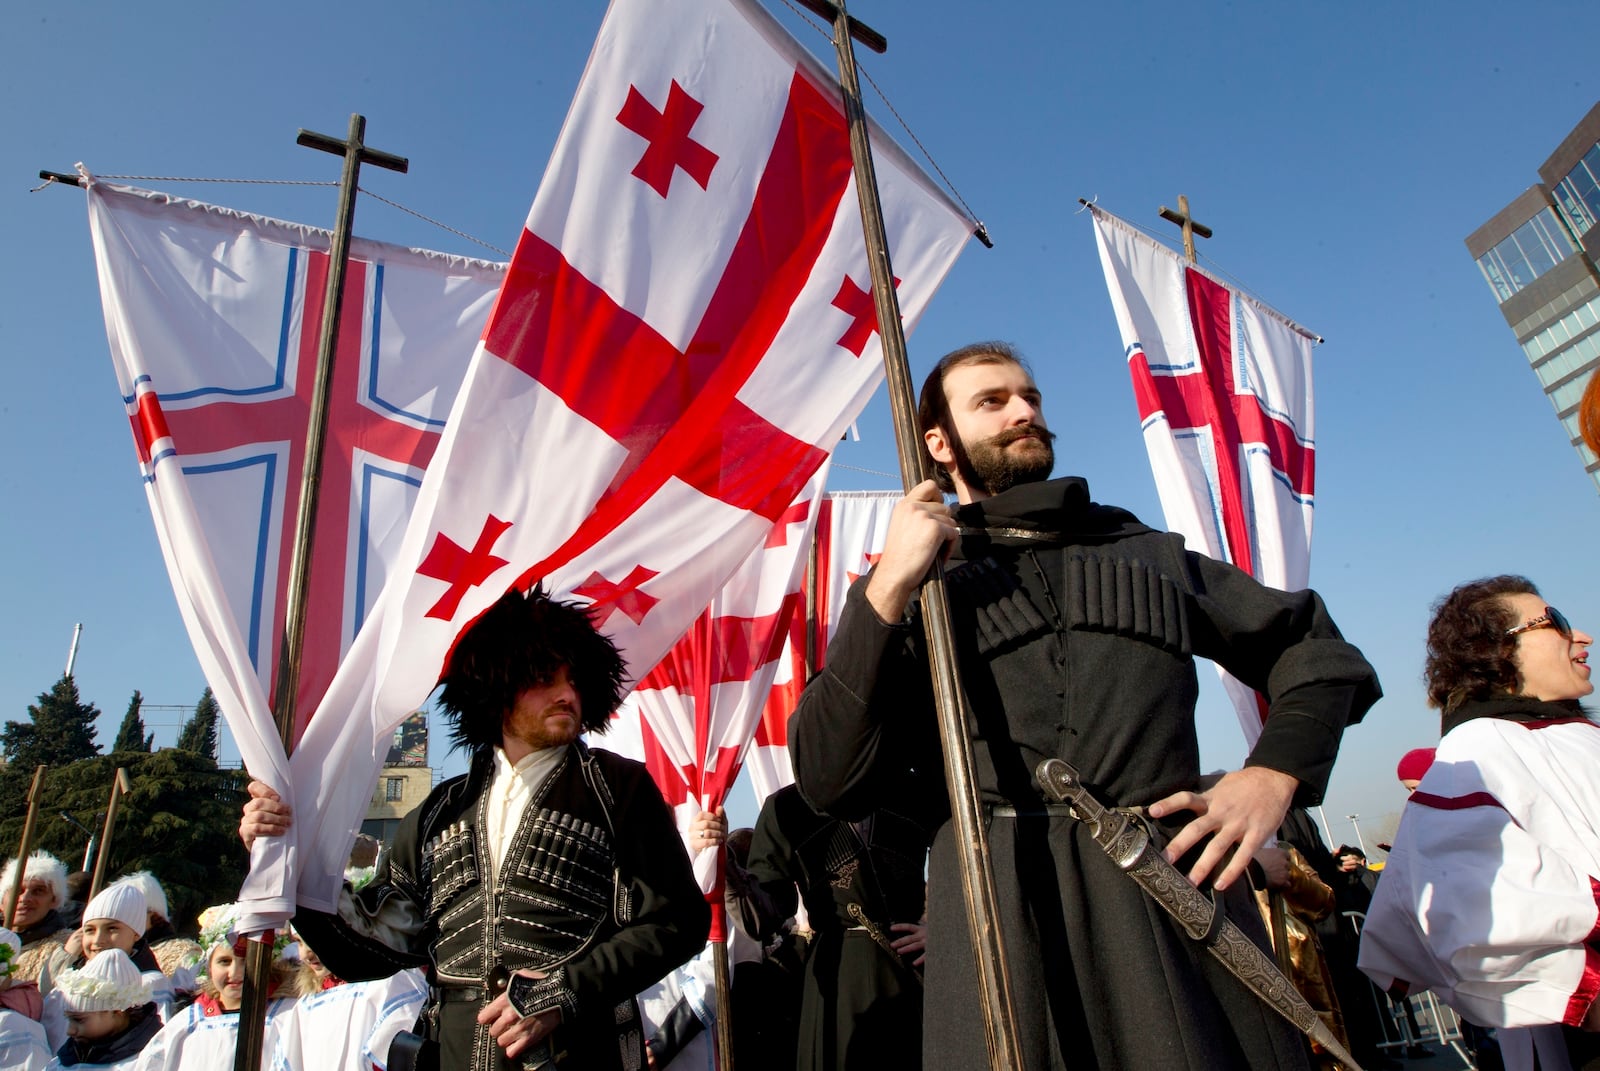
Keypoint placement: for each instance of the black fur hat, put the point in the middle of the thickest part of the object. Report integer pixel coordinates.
(518, 643)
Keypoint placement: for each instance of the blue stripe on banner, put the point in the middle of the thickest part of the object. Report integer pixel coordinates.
(372, 362)
(259, 581)
(368, 473)
(1208, 463)
(1277, 474)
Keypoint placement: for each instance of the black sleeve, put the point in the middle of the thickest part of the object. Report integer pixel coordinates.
(869, 711)
(765, 887)
(676, 1030)
(1285, 645)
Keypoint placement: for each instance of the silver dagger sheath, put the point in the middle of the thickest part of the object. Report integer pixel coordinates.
(1126, 840)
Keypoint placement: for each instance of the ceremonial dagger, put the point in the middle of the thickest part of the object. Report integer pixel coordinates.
(1125, 838)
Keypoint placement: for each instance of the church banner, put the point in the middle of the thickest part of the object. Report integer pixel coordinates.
(1223, 385)
(685, 331)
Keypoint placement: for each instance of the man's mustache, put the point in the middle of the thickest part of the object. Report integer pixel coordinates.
(1024, 431)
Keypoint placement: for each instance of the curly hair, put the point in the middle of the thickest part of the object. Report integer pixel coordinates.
(519, 643)
(1469, 654)
(933, 407)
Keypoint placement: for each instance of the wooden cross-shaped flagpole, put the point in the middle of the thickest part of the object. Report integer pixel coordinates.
(25, 847)
(1190, 228)
(119, 788)
(972, 838)
(258, 958)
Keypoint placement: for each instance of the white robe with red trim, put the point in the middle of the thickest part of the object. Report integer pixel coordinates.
(1491, 897)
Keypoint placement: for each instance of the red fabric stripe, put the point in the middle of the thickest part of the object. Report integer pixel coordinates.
(1211, 313)
(1455, 803)
(1588, 988)
(1594, 890)
(1545, 723)
(149, 424)
(727, 648)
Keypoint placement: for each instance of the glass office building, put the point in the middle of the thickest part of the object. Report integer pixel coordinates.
(1539, 255)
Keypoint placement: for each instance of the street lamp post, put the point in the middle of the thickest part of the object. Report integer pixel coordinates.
(1357, 825)
(88, 852)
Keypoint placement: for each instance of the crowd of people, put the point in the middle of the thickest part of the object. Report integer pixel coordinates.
(541, 910)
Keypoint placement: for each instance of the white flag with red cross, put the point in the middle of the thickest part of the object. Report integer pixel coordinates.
(213, 318)
(691, 718)
(685, 331)
(1223, 384)
(851, 528)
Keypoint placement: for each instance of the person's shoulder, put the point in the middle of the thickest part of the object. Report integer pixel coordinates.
(617, 765)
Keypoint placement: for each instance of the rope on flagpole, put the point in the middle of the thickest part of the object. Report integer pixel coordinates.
(982, 232)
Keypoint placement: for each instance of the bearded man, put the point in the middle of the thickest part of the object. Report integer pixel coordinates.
(542, 889)
(1076, 629)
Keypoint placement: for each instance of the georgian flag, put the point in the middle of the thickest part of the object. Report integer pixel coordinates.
(685, 330)
(1223, 384)
(213, 318)
(851, 528)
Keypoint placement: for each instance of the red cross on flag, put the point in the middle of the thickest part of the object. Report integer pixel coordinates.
(660, 377)
(1223, 384)
(691, 718)
(213, 318)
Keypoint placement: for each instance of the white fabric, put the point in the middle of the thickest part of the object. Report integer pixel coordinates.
(333, 1030)
(851, 529)
(195, 1041)
(1270, 363)
(1495, 906)
(204, 307)
(513, 786)
(22, 1042)
(107, 982)
(527, 473)
(696, 981)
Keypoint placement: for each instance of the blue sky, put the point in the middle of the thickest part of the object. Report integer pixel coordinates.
(1340, 152)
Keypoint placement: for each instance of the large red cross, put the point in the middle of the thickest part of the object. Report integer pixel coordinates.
(1209, 398)
(668, 144)
(677, 411)
(353, 423)
(857, 304)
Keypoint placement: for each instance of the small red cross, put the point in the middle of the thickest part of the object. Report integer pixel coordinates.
(608, 596)
(857, 304)
(779, 536)
(667, 132)
(462, 569)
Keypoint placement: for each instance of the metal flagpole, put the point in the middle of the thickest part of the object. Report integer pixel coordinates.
(258, 958)
(972, 837)
(26, 846)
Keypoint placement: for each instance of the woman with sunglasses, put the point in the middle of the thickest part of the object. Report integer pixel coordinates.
(1491, 896)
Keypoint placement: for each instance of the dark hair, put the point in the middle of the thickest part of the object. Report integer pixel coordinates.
(1469, 654)
(933, 408)
(520, 642)
(1589, 414)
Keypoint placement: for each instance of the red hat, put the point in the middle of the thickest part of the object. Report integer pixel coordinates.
(1414, 763)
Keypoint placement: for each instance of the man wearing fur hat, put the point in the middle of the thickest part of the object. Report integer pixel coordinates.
(542, 889)
(38, 923)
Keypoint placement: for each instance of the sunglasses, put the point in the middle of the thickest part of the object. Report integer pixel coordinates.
(1551, 618)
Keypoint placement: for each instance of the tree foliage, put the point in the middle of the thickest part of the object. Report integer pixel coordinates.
(199, 733)
(131, 735)
(60, 730)
(179, 821)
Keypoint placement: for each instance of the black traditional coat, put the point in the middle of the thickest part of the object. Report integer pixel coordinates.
(861, 1003)
(1076, 629)
(595, 890)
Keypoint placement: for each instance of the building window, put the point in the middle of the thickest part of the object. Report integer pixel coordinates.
(394, 788)
(1579, 193)
(1530, 251)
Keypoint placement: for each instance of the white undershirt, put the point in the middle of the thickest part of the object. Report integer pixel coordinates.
(510, 791)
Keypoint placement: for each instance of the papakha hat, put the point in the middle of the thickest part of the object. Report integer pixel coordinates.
(108, 982)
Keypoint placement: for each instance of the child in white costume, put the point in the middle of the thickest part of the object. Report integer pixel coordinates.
(349, 1026)
(113, 919)
(110, 1016)
(204, 1035)
(22, 1041)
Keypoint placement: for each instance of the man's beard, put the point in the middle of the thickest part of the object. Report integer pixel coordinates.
(990, 468)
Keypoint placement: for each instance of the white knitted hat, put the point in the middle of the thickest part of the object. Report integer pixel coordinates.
(122, 902)
(108, 982)
(154, 897)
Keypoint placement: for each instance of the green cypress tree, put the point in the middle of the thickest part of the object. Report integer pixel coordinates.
(199, 733)
(60, 729)
(131, 735)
